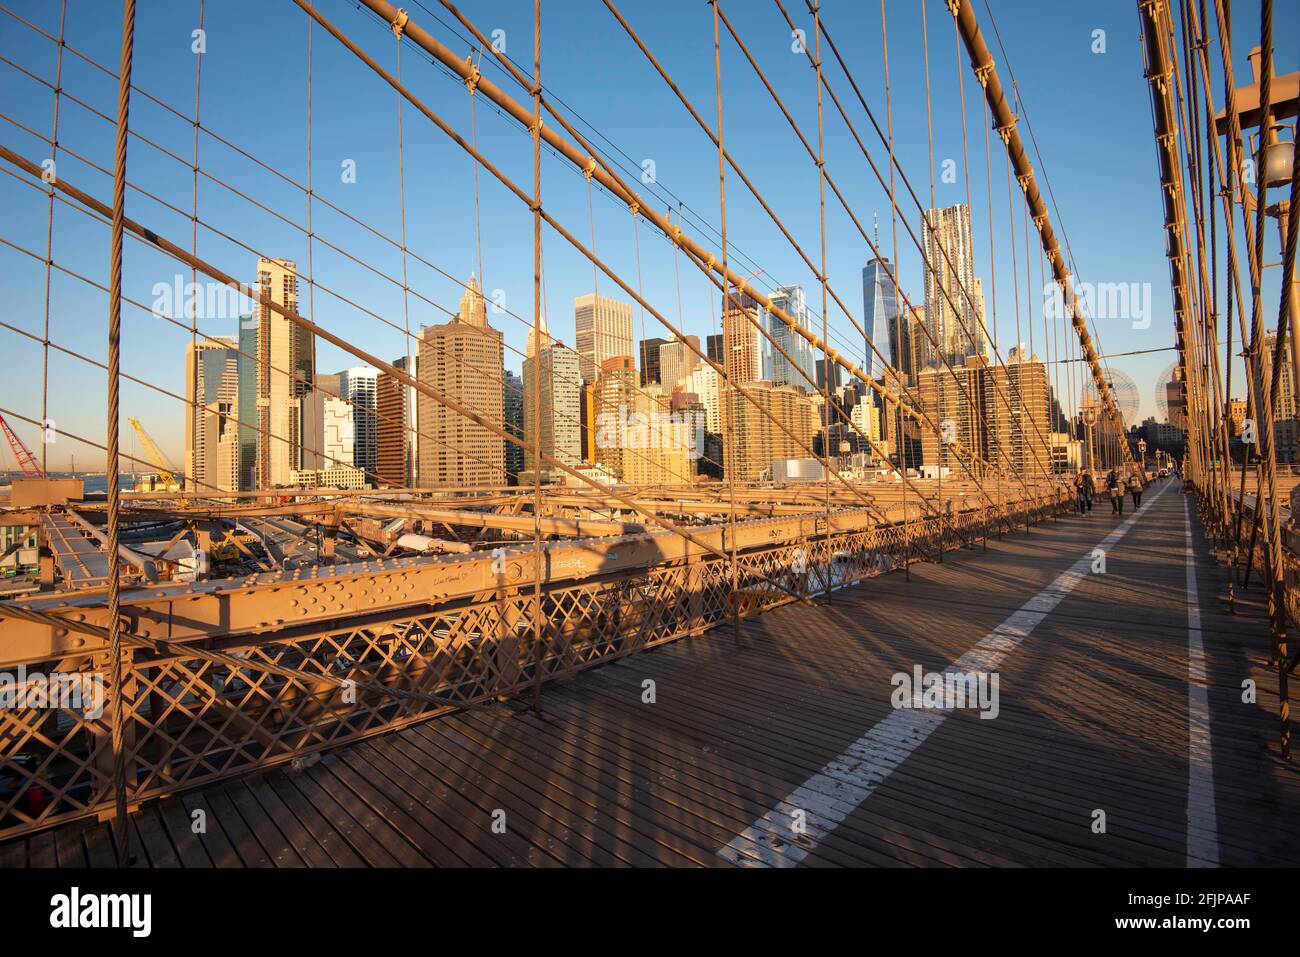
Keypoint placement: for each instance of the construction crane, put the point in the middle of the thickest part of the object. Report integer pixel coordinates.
(26, 461)
(166, 478)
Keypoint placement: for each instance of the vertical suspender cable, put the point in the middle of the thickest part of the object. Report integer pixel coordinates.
(111, 458)
(729, 455)
(538, 656)
(826, 379)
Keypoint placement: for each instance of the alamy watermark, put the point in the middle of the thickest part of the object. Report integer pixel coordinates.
(60, 690)
(946, 690)
(1129, 301)
(199, 300)
(665, 431)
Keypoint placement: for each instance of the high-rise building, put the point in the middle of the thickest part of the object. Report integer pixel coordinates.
(636, 440)
(650, 360)
(953, 400)
(677, 360)
(796, 366)
(880, 319)
(614, 397)
(473, 307)
(328, 426)
(916, 352)
(758, 441)
(714, 347)
(1001, 413)
(836, 371)
(1019, 428)
(359, 386)
(286, 366)
(338, 428)
(1237, 414)
(464, 360)
(513, 401)
(1285, 400)
(212, 403)
(953, 307)
(553, 386)
(249, 382)
(742, 340)
(704, 383)
(396, 429)
(603, 331)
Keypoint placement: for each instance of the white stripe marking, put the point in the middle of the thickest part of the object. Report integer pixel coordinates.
(831, 795)
(1202, 818)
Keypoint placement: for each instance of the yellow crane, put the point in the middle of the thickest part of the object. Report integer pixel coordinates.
(167, 481)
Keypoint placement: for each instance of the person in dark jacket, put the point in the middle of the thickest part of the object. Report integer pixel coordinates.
(1116, 489)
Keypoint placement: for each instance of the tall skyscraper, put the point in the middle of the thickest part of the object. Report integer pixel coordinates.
(799, 369)
(1285, 400)
(741, 339)
(954, 401)
(880, 319)
(514, 409)
(603, 331)
(635, 440)
(473, 307)
(463, 359)
(715, 349)
(949, 281)
(650, 360)
(836, 373)
(758, 441)
(211, 430)
(338, 426)
(1019, 429)
(359, 386)
(396, 429)
(677, 360)
(1006, 420)
(554, 372)
(249, 417)
(704, 383)
(286, 371)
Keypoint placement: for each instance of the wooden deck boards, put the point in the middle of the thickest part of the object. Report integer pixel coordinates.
(1093, 716)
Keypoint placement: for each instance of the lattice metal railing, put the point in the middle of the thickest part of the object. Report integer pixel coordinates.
(190, 721)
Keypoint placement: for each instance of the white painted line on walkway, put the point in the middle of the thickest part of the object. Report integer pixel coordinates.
(1202, 818)
(831, 795)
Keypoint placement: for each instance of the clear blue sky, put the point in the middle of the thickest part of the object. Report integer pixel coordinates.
(1090, 114)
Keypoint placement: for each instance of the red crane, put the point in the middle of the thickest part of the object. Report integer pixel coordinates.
(26, 461)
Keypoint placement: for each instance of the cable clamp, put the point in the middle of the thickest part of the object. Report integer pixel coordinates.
(589, 169)
(709, 263)
(398, 23)
(982, 73)
(953, 7)
(635, 207)
(471, 81)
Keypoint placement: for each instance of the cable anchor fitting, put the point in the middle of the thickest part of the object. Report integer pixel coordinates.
(398, 23)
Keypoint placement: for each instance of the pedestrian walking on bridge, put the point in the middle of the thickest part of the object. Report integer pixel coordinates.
(1116, 489)
(1135, 489)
